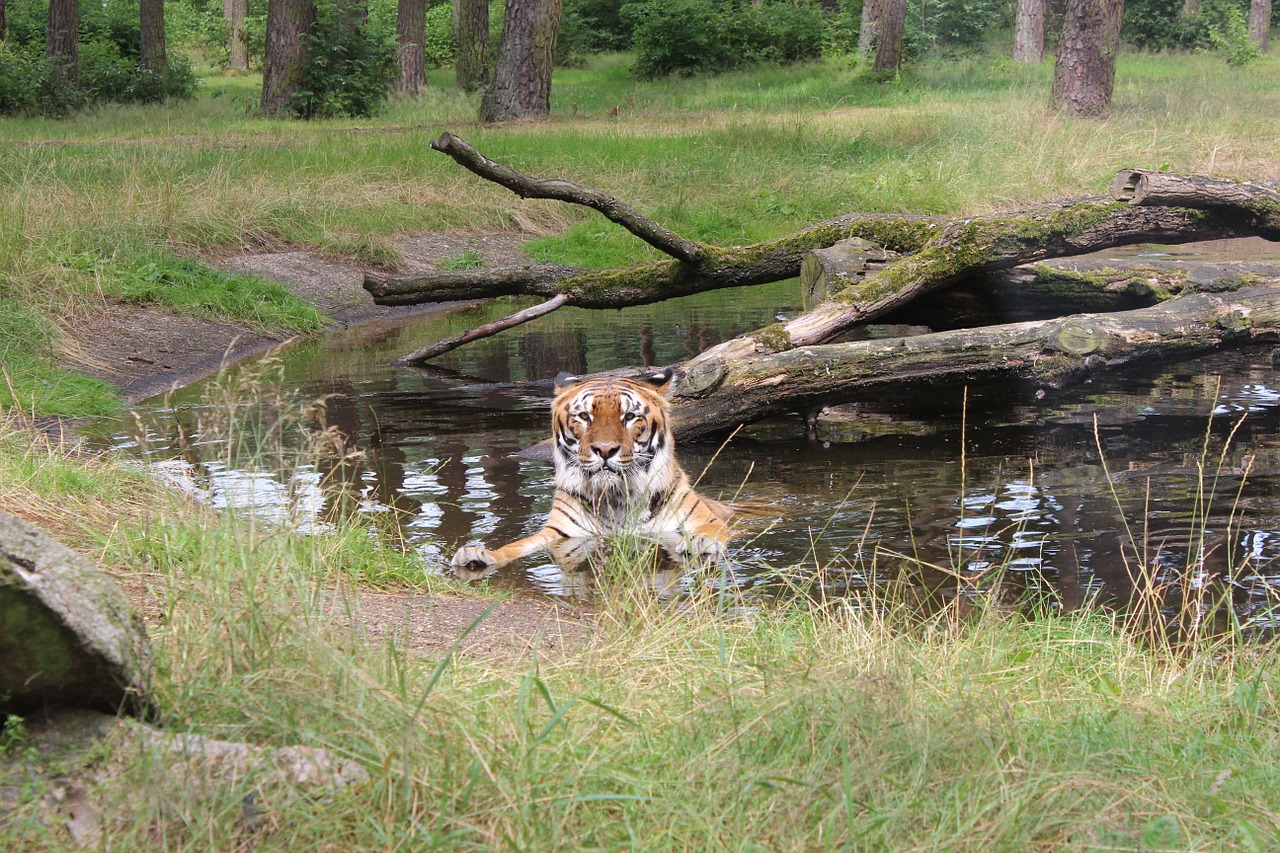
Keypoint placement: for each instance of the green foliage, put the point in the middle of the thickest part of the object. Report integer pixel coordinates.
(30, 84)
(955, 26)
(108, 69)
(591, 26)
(1153, 24)
(1226, 30)
(690, 36)
(439, 44)
(351, 64)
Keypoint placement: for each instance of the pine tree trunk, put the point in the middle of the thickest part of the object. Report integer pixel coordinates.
(1260, 23)
(1190, 9)
(60, 43)
(1028, 32)
(410, 31)
(522, 76)
(1085, 70)
(235, 12)
(867, 29)
(889, 50)
(151, 53)
(471, 18)
(289, 24)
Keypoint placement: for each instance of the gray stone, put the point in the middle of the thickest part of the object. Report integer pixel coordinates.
(68, 635)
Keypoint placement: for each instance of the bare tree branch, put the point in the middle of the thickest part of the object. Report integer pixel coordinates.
(487, 330)
(526, 186)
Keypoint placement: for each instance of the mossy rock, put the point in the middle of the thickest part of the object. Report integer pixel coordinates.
(68, 635)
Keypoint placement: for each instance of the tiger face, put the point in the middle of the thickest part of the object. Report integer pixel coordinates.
(611, 433)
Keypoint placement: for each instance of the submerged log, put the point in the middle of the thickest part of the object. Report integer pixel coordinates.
(711, 399)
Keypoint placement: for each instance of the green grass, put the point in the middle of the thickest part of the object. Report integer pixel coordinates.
(732, 158)
(184, 286)
(718, 725)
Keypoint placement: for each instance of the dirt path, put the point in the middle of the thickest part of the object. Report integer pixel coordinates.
(148, 351)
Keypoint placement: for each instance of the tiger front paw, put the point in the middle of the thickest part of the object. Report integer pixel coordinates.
(473, 558)
(701, 548)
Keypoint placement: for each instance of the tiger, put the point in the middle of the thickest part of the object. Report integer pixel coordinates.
(615, 472)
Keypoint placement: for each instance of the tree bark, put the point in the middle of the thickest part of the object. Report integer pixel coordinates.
(889, 32)
(410, 32)
(882, 27)
(1084, 74)
(1052, 353)
(1028, 32)
(471, 63)
(60, 38)
(289, 24)
(522, 75)
(235, 12)
(1260, 23)
(151, 50)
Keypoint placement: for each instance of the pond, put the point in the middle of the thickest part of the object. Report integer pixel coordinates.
(1168, 474)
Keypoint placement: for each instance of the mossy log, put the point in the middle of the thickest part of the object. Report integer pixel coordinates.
(715, 397)
(938, 252)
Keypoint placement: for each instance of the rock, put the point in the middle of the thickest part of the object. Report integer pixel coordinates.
(67, 633)
(75, 762)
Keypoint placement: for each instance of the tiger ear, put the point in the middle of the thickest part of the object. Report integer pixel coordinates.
(564, 379)
(659, 379)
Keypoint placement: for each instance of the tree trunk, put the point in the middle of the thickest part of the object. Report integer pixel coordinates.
(471, 62)
(410, 24)
(867, 29)
(1190, 9)
(522, 76)
(289, 24)
(1052, 353)
(60, 39)
(1085, 70)
(151, 52)
(1028, 32)
(1260, 23)
(235, 12)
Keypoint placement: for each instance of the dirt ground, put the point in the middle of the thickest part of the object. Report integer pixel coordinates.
(147, 351)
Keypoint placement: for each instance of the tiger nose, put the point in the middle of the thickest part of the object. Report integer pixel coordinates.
(604, 450)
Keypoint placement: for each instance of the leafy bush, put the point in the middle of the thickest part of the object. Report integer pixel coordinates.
(31, 85)
(1225, 29)
(440, 43)
(1153, 24)
(350, 65)
(107, 67)
(688, 36)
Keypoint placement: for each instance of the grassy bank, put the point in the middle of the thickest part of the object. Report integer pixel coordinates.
(732, 158)
(710, 726)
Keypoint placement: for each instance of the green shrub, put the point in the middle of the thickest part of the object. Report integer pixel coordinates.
(1225, 30)
(689, 36)
(350, 65)
(440, 43)
(31, 85)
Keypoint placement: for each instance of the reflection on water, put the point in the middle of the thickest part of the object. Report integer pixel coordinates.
(995, 481)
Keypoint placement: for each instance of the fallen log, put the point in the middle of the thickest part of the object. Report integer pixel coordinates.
(938, 252)
(714, 398)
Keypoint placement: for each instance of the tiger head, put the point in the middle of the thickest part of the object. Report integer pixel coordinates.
(612, 433)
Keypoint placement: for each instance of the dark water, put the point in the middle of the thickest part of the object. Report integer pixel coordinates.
(992, 481)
